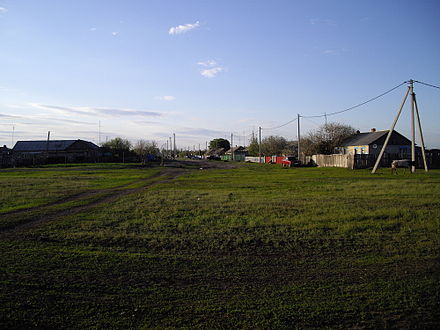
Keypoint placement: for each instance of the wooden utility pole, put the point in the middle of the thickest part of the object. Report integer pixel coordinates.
(174, 149)
(259, 144)
(232, 146)
(47, 145)
(299, 139)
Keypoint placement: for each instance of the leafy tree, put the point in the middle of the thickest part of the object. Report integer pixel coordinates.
(219, 143)
(117, 144)
(253, 148)
(273, 145)
(143, 148)
(326, 138)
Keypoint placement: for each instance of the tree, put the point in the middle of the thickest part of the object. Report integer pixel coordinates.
(326, 138)
(143, 148)
(273, 145)
(219, 143)
(253, 149)
(117, 144)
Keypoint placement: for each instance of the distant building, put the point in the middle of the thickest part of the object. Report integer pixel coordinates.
(240, 153)
(370, 143)
(56, 151)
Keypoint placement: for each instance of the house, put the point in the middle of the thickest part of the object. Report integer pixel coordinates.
(371, 143)
(239, 153)
(56, 151)
(4, 150)
(215, 152)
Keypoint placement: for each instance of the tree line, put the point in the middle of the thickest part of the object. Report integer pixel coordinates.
(322, 140)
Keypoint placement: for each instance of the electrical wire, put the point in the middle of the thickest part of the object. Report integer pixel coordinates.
(357, 105)
(426, 84)
(344, 110)
(271, 128)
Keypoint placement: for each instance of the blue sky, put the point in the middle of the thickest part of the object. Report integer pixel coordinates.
(204, 69)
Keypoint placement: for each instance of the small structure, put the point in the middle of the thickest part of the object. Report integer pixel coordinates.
(55, 151)
(240, 154)
(215, 152)
(5, 156)
(370, 143)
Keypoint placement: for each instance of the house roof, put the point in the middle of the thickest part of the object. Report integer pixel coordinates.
(375, 137)
(236, 149)
(52, 145)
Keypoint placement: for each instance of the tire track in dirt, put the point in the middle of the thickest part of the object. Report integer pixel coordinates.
(78, 196)
(114, 195)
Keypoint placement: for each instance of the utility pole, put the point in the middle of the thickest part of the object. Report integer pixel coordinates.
(174, 149)
(259, 144)
(299, 138)
(99, 132)
(171, 148)
(232, 146)
(325, 115)
(413, 128)
(13, 131)
(421, 134)
(382, 151)
(47, 145)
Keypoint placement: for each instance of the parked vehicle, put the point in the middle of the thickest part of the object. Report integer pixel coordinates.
(291, 162)
(213, 157)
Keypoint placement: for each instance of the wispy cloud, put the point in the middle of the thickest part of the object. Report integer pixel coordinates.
(9, 116)
(211, 73)
(212, 68)
(183, 28)
(201, 132)
(93, 29)
(93, 111)
(334, 51)
(114, 34)
(321, 21)
(166, 98)
(208, 63)
(3, 10)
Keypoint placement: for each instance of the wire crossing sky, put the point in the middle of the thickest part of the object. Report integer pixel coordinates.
(205, 69)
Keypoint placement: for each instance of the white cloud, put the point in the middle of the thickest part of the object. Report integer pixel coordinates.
(94, 111)
(208, 63)
(3, 10)
(211, 73)
(93, 29)
(183, 28)
(166, 98)
(115, 34)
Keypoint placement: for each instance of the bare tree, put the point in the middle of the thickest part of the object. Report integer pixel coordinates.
(143, 148)
(326, 138)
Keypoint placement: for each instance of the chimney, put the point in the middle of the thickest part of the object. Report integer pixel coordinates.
(373, 130)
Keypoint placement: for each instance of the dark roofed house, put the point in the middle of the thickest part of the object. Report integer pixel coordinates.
(56, 151)
(240, 153)
(370, 143)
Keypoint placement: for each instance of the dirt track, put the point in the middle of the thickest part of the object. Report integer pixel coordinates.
(41, 214)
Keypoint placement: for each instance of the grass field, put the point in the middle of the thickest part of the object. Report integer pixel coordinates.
(251, 247)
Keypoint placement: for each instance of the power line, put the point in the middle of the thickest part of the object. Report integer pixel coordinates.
(357, 105)
(270, 128)
(426, 84)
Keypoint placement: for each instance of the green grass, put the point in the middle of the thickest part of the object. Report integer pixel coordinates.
(252, 247)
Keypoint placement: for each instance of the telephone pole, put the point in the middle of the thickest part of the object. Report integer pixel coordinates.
(259, 144)
(232, 146)
(299, 138)
(174, 149)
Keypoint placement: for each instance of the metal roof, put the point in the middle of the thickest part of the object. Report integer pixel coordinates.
(363, 138)
(53, 145)
(371, 137)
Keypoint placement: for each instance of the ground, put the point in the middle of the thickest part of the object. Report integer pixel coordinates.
(212, 245)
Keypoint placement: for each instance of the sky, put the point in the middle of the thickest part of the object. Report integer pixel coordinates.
(95, 69)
